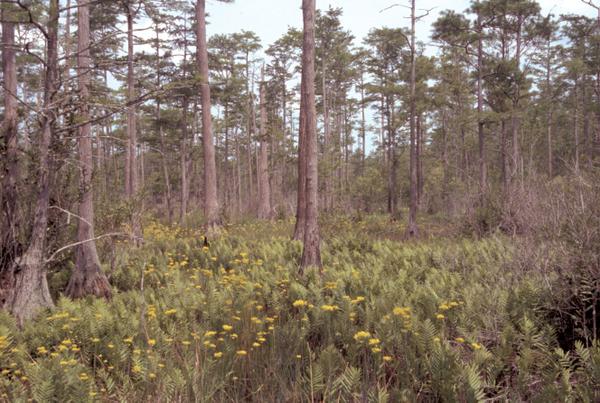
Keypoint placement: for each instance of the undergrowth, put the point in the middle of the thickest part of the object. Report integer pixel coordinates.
(437, 320)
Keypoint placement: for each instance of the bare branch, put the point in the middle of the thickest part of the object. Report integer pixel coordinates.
(71, 245)
(591, 3)
(392, 6)
(427, 12)
(69, 214)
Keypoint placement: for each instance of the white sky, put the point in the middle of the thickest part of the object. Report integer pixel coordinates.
(271, 18)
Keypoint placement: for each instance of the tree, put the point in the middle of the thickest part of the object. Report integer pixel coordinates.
(385, 66)
(264, 189)
(87, 277)
(30, 292)
(311, 253)
(284, 56)
(412, 229)
(9, 227)
(211, 203)
(546, 63)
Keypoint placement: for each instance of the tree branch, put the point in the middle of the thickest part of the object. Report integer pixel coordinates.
(82, 242)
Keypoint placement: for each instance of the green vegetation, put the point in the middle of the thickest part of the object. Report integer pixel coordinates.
(437, 320)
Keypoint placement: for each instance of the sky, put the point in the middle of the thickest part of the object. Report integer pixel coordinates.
(270, 19)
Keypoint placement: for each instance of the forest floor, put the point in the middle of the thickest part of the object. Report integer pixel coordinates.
(438, 319)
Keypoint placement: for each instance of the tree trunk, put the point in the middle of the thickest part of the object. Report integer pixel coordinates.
(87, 277)
(412, 215)
(301, 196)
(514, 116)
(249, 132)
(165, 166)
(480, 123)
(393, 158)
(311, 253)
(576, 126)
(131, 172)
(264, 199)
(185, 190)
(211, 204)
(446, 177)
(420, 174)
(238, 165)
(29, 292)
(503, 157)
(363, 123)
(9, 227)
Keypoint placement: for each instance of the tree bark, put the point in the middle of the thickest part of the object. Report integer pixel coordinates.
(420, 175)
(515, 121)
(393, 158)
(311, 253)
(29, 292)
(363, 123)
(576, 125)
(264, 200)
(87, 277)
(412, 230)
(211, 204)
(165, 166)
(301, 195)
(185, 183)
(249, 132)
(480, 123)
(131, 171)
(9, 228)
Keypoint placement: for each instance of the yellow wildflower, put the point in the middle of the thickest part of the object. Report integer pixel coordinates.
(299, 303)
(361, 335)
(373, 342)
(330, 308)
(401, 311)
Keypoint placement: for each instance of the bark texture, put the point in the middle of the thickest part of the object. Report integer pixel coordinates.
(29, 293)
(211, 203)
(9, 227)
(87, 277)
(301, 194)
(264, 188)
(311, 253)
(412, 213)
